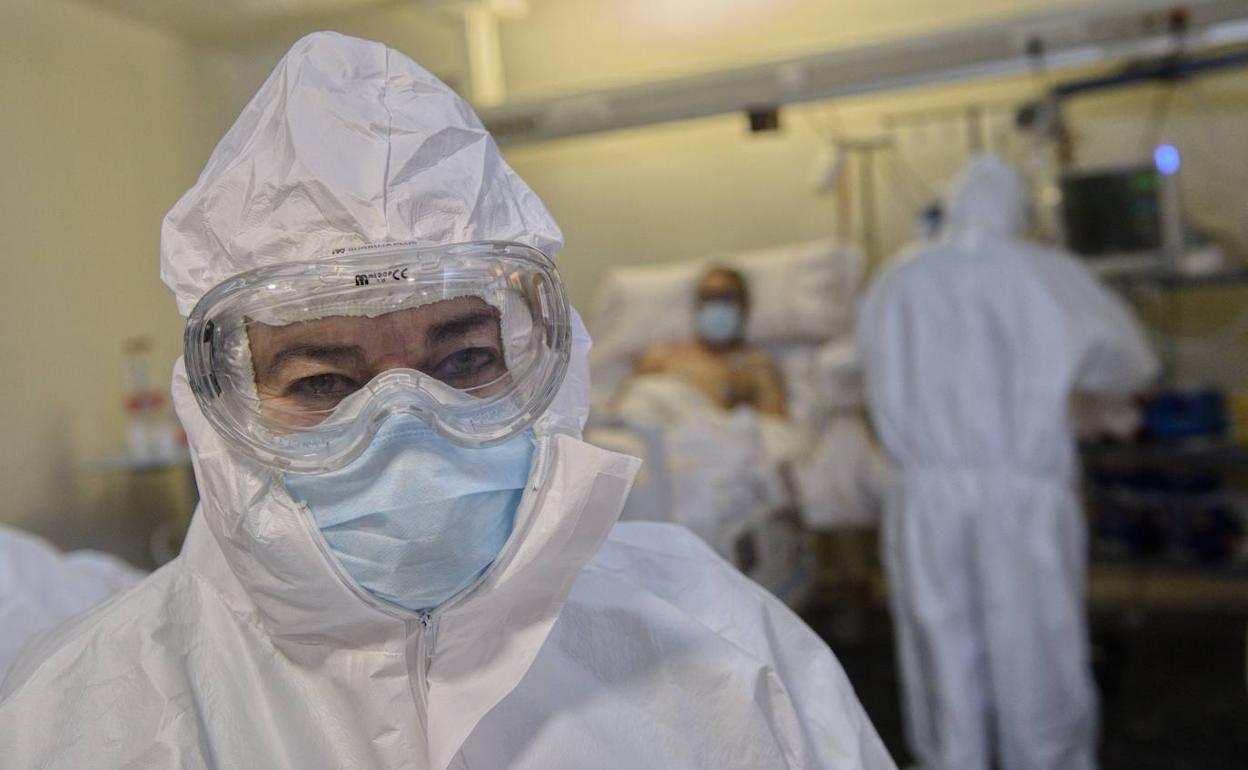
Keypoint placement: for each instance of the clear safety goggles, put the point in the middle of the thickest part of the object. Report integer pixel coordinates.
(299, 364)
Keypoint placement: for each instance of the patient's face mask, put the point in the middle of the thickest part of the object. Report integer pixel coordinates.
(720, 321)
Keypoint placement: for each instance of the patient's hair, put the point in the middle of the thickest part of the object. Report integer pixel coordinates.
(734, 276)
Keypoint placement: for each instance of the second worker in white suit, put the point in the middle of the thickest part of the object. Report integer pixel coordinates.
(972, 350)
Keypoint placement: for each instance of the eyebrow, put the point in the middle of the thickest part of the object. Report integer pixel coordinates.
(328, 353)
(452, 328)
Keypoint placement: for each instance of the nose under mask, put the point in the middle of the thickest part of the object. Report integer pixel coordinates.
(417, 519)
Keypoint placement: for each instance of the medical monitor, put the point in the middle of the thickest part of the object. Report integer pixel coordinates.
(1123, 218)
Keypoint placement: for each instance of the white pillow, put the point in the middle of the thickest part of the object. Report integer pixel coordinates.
(800, 293)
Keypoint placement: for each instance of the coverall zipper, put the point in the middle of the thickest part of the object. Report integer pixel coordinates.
(423, 627)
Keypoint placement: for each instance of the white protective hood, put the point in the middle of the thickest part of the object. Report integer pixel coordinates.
(347, 143)
(989, 197)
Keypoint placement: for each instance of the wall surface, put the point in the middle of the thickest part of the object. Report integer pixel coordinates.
(99, 135)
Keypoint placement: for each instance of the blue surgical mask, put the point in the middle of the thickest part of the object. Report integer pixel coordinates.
(417, 519)
(719, 321)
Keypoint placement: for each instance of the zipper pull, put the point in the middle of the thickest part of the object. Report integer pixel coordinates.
(539, 468)
(429, 624)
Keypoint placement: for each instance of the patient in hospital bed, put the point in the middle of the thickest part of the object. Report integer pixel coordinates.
(719, 362)
(739, 389)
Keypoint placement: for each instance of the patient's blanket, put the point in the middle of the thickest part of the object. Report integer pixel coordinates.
(725, 468)
(40, 587)
(842, 482)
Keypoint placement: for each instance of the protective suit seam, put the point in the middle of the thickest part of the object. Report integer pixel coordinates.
(243, 617)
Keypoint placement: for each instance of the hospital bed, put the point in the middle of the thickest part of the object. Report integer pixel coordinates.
(750, 487)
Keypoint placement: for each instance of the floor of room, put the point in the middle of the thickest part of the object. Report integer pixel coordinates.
(1172, 684)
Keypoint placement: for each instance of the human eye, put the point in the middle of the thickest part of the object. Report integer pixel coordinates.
(470, 367)
(321, 391)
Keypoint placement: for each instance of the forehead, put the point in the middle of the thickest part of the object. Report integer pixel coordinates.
(718, 283)
(411, 324)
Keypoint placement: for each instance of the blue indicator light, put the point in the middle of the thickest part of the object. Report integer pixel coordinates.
(1166, 157)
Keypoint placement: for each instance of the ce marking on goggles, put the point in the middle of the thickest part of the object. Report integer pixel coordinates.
(381, 276)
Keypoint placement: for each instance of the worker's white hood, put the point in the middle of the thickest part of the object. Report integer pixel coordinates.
(989, 199)
(349, 143)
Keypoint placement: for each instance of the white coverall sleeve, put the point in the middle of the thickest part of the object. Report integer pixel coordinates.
(1115, 357)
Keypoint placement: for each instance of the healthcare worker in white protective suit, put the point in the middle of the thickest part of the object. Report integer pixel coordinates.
(972, 350)
(404, 555)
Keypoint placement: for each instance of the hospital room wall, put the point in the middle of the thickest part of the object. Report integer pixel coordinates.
(100, 133)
